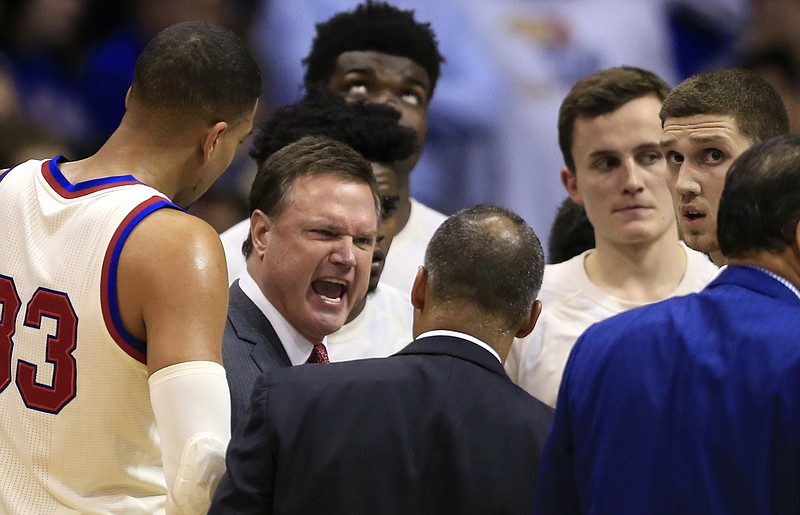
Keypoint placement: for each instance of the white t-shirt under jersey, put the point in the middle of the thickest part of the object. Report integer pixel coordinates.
(381, 329)
(232, 240)
(407, 252)
(570, 304)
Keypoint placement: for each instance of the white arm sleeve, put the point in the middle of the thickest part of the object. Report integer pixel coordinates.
(192, 408)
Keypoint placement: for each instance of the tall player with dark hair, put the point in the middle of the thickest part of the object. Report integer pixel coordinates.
(113, 398)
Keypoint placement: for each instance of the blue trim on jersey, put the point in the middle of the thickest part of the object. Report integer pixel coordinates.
(85, 185)
(113, 305)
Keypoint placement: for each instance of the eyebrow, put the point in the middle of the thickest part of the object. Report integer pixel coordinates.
(370, 71)
(336, 228)
(417, 82)
(671, 141)
(637, 148)
(360, 69)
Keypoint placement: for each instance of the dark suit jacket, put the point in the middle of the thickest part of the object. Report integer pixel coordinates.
(436, 428)
(250, 347)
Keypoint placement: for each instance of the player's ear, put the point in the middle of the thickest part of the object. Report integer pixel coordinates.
(211, 139)
(570, 183)
(530, 320)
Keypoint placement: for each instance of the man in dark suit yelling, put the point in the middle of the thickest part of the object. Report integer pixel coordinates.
(435, 428)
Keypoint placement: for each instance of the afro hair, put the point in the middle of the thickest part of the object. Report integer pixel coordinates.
(369, 128)
(373, 26)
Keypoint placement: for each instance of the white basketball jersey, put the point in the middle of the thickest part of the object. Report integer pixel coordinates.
(77, 432)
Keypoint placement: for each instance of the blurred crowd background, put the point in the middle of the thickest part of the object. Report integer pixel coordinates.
(65, 66)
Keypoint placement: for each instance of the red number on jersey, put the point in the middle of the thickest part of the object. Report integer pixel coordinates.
(50, 398)
(10, 301)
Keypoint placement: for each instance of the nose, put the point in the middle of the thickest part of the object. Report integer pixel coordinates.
(387, 97)
(632, 177)
(344, 253)
(685, 183)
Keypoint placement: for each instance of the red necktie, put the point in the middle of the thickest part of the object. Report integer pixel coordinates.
(319, 354)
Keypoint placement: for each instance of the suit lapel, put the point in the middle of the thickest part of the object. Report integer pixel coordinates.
(250, 325)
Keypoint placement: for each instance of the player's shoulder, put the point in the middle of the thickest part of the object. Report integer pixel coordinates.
(178, 224)
(426, 216)
(560, 280)
(389, 298)
(646, 321)
(174, 239)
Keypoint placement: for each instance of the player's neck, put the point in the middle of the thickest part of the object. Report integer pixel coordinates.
(638, 272)
(157, 166)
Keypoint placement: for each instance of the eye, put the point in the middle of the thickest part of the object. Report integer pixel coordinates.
(357, 90)
(411, 98)
(713, 155)
(606, 164)
(650, 157)
(364, 242)
(323, 233)
(674, 158)
(388, 207)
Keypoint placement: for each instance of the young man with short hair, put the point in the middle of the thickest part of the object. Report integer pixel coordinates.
(708, 121)
(609, 136)
(692, 405)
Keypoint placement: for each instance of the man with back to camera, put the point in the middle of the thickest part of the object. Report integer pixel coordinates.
(435, 428)
(691, 405)
(609, 134)
(314, 223)
(709, 120)
(378, 53)
(112, 392)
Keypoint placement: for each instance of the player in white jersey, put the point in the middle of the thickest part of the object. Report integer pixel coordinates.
(609, 131)
(112, 395)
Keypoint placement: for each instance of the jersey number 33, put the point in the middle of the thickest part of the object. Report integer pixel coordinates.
(60, 344)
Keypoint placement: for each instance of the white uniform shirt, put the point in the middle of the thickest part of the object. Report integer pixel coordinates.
(77, 431)
(407, 252)
(570, 304)
(381, 329)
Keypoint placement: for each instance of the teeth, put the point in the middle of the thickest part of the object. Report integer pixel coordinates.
(334, 286)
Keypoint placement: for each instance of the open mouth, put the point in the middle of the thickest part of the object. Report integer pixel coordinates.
(331, 290)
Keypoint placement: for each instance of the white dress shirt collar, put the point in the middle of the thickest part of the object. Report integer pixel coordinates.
(297, 346)
(463, 336)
